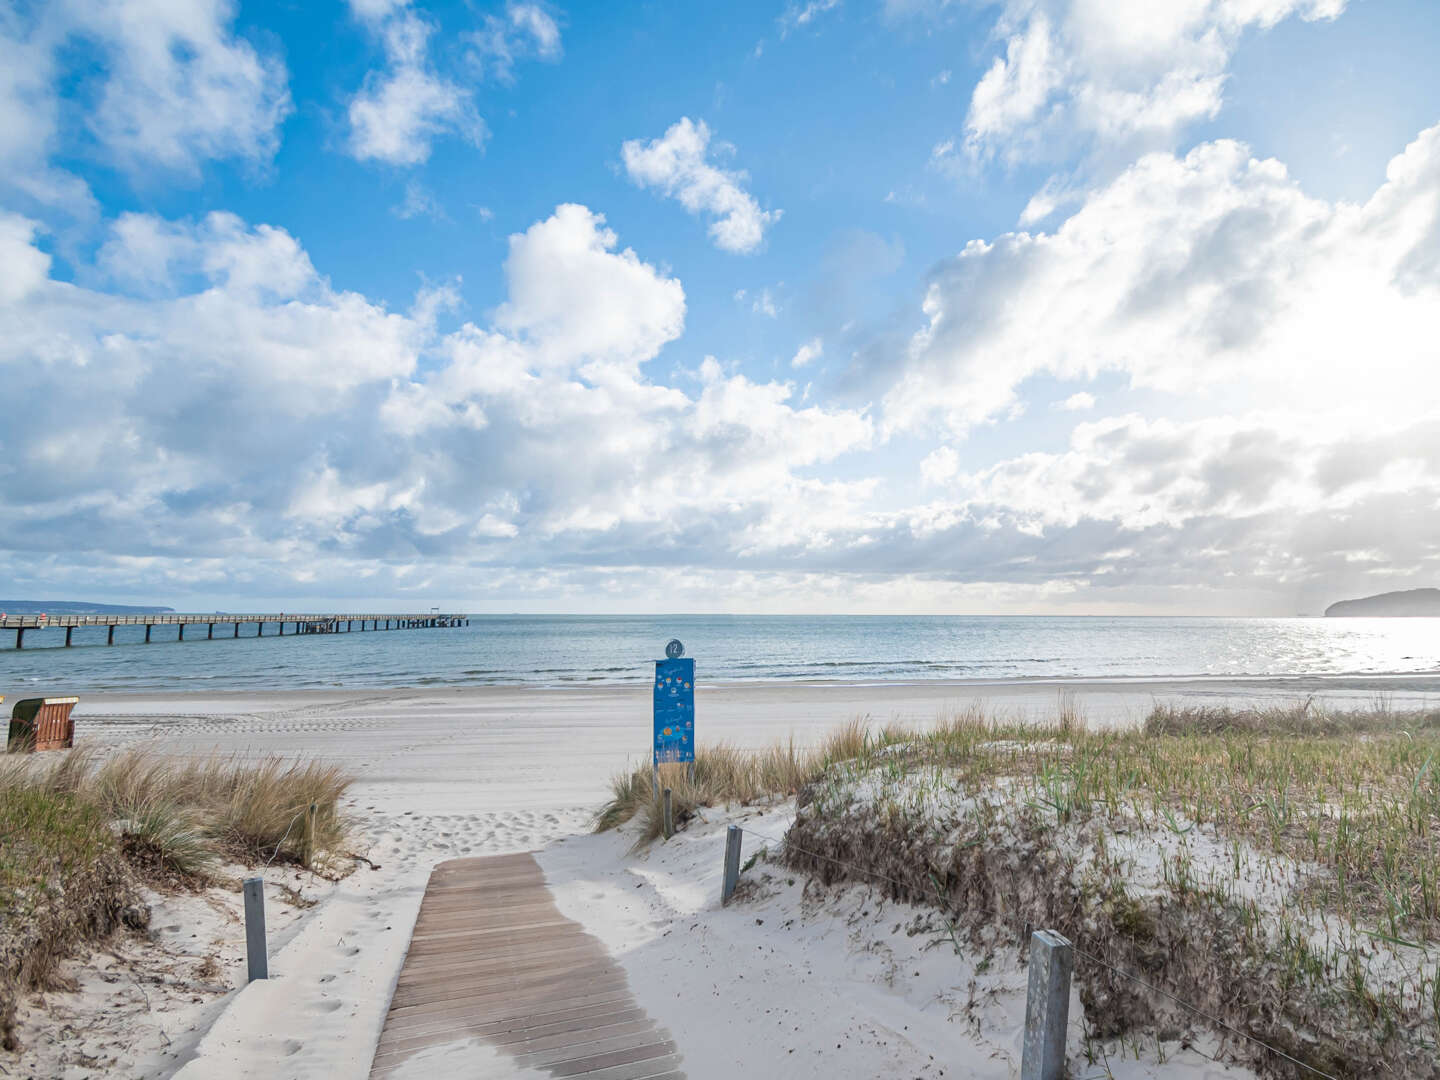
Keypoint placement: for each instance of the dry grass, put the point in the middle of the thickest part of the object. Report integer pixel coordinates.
(725, 774)
(78, 833)
(215, 808)
(1295, 857)
(1304, 718)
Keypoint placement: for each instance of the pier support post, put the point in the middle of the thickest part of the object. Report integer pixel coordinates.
(147, 633)
(210, 632)
(260, 628)
(733, 836)
(282, 627)
(257, 962)
(68, 631)
(19, 637)
(181, 636)
(1047, 1007)
(110, 637)
(237, 630)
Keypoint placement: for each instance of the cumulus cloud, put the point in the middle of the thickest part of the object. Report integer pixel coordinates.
(402, 109)
(1190, 273)
(1130, 73)
(676, 165)
(573, 298)
(161, 87)
(180, 87)
(160, 419)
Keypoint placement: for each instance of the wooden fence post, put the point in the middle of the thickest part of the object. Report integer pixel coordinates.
(1047, 1007)
(258, 963)
(733, 836)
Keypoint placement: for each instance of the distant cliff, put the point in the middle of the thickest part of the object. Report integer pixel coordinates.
(1408, 602)
(74, 607)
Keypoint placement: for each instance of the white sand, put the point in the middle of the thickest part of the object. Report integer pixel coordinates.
(486, 771)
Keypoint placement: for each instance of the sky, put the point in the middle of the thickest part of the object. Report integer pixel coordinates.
(940, 306)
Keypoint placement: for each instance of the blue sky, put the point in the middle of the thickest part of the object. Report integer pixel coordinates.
(867, 305)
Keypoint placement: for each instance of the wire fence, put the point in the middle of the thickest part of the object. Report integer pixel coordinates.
(865, 872)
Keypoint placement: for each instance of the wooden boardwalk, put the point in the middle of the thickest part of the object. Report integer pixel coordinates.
(492, 959)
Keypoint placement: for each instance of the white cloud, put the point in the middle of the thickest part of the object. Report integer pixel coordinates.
(940, 465)
(763, 303)
(676, 164)
(180, 87)
(797, 16)
(419, 202)
(399, 112)
(1128, 73)
(811, 350)
(1198, 272)
(574, 298)
(162, 86)
(1078, 402)
(533, 440)
(525, 30)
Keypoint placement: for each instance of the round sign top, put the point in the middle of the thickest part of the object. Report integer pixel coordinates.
(674, 650)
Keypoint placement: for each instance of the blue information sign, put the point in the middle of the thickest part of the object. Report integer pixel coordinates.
(674, 710)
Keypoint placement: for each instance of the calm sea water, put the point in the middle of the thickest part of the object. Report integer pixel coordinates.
(589, 650)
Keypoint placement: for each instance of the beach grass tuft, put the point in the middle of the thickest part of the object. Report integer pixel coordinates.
(724, 774)
(79, 834)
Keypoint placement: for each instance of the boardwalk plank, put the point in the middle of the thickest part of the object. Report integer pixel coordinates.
(492, 959)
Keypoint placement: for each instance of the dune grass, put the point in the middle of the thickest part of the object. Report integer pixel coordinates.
(78, 834)
(1290, 854)
(725, 774)
(1283, 858)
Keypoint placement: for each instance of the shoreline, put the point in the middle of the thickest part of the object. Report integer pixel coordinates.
(1416, 682)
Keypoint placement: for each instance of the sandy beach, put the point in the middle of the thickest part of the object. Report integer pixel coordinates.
(446, 773)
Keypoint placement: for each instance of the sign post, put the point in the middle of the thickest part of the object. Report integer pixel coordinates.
(674, 710)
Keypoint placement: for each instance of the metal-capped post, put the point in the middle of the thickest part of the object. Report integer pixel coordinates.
(1047, 1007)
(257, 961)
(733, 837)
(669, 816)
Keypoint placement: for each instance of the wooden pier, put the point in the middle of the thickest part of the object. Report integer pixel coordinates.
(299, 623)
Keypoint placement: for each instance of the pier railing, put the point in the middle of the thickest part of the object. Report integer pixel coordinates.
(312, 623)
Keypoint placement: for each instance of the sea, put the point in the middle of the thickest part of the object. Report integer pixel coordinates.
(590, 650)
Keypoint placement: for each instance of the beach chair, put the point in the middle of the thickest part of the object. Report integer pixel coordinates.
(41, 724)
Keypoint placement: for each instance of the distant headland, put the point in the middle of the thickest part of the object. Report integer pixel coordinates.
(1405, 602)
(75, 607)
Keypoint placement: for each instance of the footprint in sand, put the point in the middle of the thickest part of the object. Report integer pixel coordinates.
(292, 1047)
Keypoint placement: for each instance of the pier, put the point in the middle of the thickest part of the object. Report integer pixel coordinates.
(299, 623)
